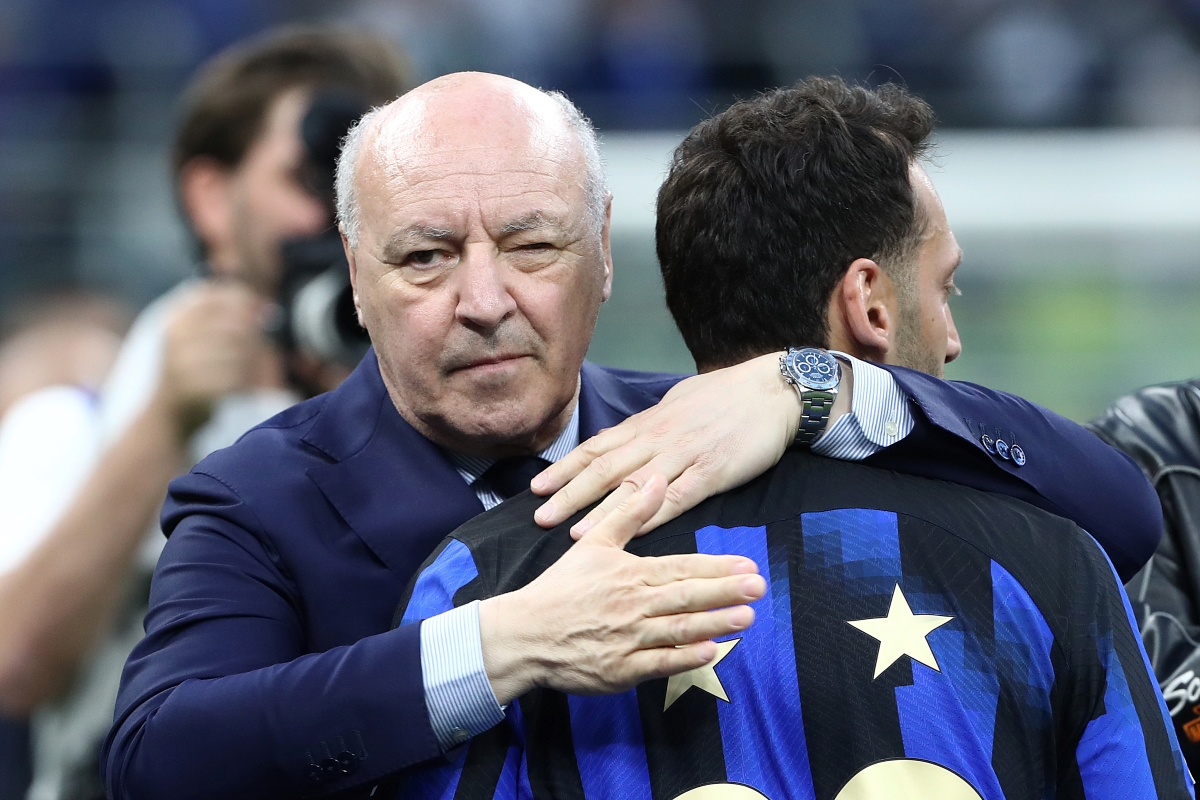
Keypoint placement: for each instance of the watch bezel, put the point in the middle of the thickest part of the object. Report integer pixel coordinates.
(799, 366)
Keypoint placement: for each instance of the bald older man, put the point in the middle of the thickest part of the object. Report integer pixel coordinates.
(476, 226)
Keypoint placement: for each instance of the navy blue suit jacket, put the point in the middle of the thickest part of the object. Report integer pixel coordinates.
(268, 648)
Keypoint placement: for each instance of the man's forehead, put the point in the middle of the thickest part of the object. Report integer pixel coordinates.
(459, 195)
(410, 163)
(481, 119)
(470, 161)
(412, 216)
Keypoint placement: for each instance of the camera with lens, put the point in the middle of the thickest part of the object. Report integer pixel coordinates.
(316, 303)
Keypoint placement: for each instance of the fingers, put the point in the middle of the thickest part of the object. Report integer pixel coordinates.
(621, 525)
(663, 662)
(684, 492)
(603, 473)
(557, 475)
(661, 570)
(704, 594)
(214, 344)
(684, 629)
(688, 490)
(719, 430)
(606, 507)
(218, 311)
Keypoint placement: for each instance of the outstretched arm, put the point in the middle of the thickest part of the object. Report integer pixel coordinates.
(716, 431)
(222, 697)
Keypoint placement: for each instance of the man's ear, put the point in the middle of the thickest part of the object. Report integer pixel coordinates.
(353, 275)
(863, 312)
(606, 246)
(205, 187)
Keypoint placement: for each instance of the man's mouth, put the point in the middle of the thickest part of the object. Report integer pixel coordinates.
(492, 363)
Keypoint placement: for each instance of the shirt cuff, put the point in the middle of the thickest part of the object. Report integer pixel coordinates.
(457, 691)
(879, 415)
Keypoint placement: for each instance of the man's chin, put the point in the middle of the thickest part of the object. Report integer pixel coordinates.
(521, 419)
(505, 430)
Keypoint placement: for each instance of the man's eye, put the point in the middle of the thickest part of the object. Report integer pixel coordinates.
(423, 258)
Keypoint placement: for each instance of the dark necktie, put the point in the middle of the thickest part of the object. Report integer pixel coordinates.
(511, 476)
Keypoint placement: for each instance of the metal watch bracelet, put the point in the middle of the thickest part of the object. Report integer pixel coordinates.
(815, 408)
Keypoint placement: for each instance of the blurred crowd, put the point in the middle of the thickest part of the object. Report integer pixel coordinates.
(649, 63)
(87, 88)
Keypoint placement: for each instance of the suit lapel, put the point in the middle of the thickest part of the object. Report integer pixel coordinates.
(394, 487)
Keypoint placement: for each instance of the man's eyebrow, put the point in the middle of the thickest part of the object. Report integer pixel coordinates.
(531, 222)
(414, 234)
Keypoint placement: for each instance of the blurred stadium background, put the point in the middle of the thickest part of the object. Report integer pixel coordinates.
(1069, 159)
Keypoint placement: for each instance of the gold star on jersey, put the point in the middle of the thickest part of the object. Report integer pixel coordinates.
(703, 678)
(901, 633)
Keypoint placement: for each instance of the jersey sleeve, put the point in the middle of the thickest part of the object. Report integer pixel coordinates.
(432, 591)
(490, 767)
(1127, 745)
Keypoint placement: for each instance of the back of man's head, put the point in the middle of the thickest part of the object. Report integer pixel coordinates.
(226, 105)
(767, 204)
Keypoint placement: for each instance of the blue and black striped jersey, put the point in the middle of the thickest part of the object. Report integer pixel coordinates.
(917, 640)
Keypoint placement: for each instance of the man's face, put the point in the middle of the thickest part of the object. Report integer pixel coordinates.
(268, 204)
(479, 271)
(926, 338)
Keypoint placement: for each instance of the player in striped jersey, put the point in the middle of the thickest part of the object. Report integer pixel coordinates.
(918, 640)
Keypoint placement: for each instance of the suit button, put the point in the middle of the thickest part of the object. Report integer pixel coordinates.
(988, 443)
(348, 762)
(331, 769)
(1018, 455)
(1002, 449)
(314, 774)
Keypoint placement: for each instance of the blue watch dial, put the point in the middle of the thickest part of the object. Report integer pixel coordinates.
(813, 368)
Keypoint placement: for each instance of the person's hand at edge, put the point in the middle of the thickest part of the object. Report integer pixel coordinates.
(709, 434)
(213, 346)
(600, 620)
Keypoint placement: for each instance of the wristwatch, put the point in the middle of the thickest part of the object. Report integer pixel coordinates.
(815, 374)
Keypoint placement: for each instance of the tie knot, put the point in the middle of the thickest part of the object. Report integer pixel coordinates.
(511, 476)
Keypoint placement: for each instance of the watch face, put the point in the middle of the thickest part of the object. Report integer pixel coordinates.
(813, 368)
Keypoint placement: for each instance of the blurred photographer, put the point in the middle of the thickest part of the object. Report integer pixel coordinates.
(201, 365)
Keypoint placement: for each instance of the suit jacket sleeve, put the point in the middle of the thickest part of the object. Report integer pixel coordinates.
(1069, 471)
(222, 699)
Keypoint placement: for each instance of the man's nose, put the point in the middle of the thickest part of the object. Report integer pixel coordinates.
(953, 344)
(483, 297)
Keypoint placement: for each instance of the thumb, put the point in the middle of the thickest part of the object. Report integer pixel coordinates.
(616, 529)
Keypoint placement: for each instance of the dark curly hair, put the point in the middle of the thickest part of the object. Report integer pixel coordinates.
(767, 204)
